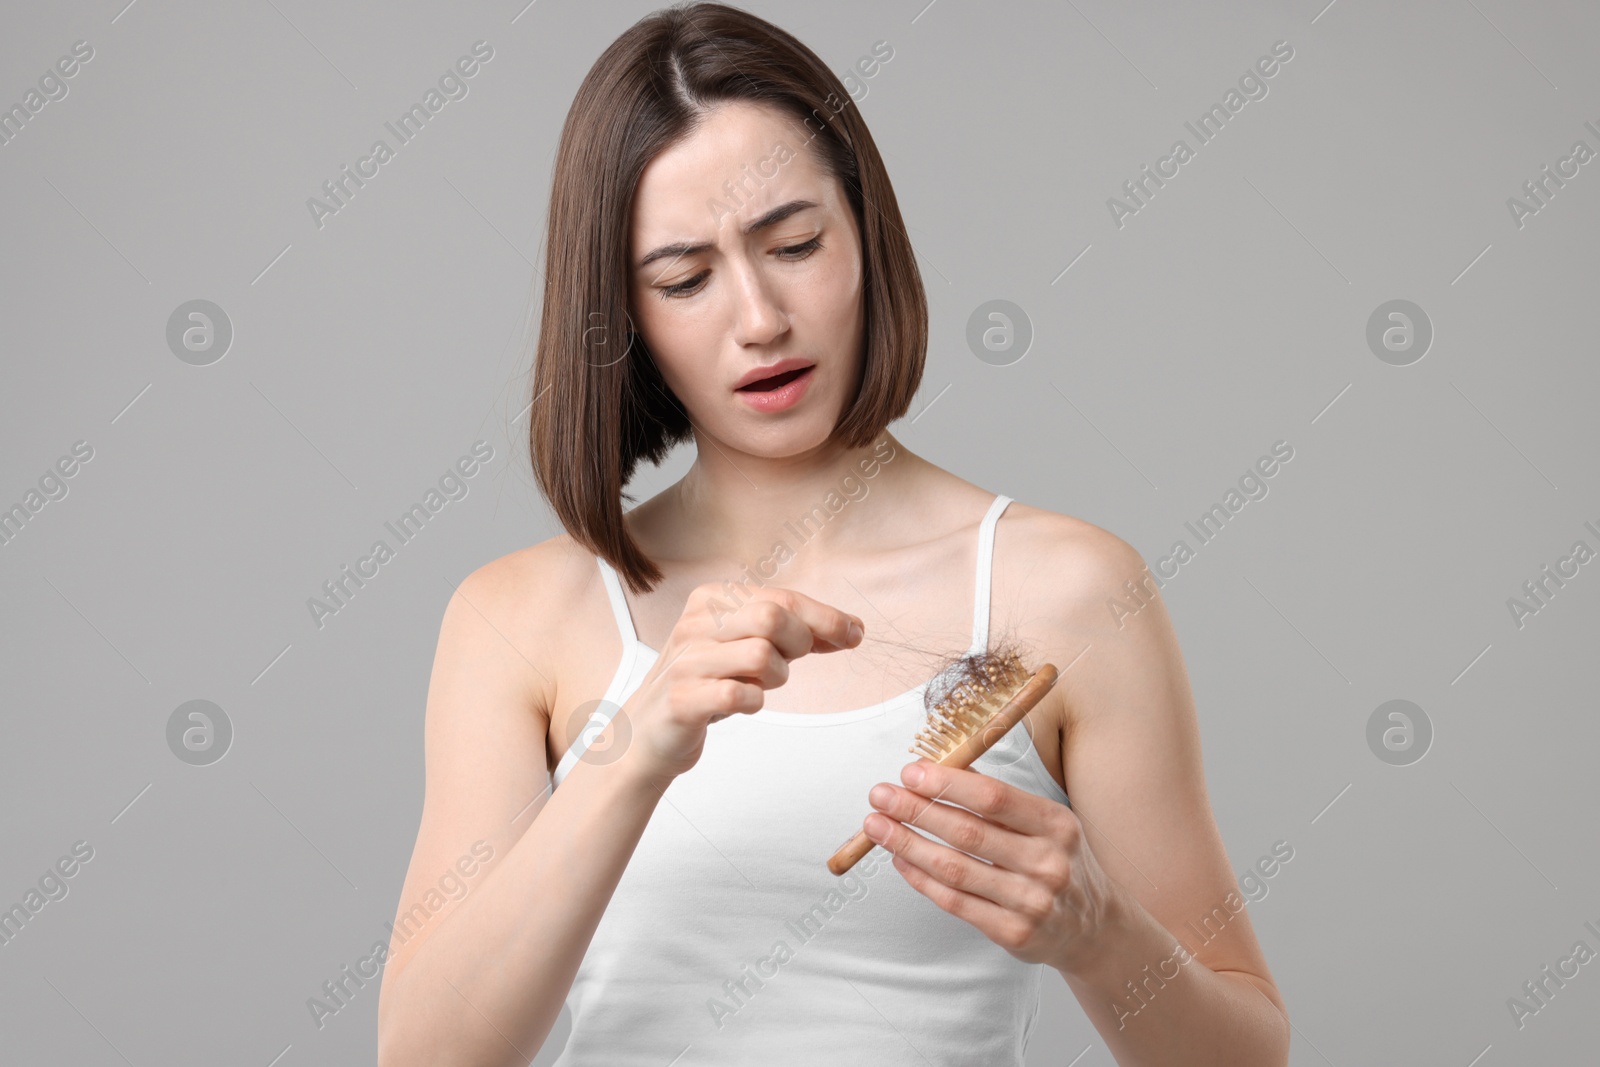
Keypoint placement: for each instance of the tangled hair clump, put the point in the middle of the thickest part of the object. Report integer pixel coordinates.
(971, 676)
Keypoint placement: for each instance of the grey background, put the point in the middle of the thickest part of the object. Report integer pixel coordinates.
(370, 354)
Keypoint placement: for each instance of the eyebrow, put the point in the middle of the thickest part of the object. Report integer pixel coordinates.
(686, 248)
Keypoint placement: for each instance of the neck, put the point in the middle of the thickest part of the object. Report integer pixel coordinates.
(764, 512)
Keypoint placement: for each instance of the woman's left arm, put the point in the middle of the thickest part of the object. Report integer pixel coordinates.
(1129, 892)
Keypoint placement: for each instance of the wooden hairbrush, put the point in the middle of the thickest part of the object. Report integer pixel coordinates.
(990, 695)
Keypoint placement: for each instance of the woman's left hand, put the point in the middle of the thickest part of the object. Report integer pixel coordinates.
(1041, 895)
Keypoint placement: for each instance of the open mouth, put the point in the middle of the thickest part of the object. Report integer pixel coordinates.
(777, 381)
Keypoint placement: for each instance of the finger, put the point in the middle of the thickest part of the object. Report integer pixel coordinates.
(831, 629)
(751, 659)
(970, 833)
(1005, 928)
(764, 619)
(957, 870)
(792, 621)
(1027, 813)
(730, 696)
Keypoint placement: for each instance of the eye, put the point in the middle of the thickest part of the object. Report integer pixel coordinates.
(683, 288)
(804, 250)
(792, 253)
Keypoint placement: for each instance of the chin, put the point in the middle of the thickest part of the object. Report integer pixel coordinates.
(767, 438)
(785, 442)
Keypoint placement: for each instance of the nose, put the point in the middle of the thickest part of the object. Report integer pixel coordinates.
(757, 318)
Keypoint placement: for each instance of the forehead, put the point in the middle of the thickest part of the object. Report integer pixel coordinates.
(742, 158)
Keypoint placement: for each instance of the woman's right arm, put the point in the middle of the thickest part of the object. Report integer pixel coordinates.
(484, 979)
(481, 979)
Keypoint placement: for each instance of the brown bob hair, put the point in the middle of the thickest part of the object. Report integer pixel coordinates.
(608, 406)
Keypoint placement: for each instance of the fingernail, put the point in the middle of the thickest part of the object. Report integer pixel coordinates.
(880, 796)
(914, 773)
(877, 827)
(855, 631)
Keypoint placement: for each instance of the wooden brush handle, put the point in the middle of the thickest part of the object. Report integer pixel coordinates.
(963, 755)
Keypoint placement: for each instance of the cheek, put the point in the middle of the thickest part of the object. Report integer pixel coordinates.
(837, 296)
(673, 341)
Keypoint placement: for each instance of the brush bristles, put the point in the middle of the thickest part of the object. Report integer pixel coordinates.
(977, 688)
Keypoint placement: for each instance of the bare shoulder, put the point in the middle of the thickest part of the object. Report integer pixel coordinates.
(516, 610)
(1076, 563)
(507, 584)
(1084, 598)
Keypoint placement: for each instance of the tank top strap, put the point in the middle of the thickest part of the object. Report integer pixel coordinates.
(980, 593)
(619, 604)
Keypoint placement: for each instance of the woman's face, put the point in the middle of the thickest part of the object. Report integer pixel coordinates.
(719, 306)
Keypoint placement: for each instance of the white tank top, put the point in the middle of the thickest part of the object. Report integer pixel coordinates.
(729, 942)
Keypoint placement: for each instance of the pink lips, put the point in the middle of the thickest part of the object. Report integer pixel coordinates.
(787, 389)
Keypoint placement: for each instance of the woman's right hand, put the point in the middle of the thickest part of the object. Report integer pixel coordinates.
(717, 663)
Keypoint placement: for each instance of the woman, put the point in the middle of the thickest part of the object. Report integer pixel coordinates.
(727, 265)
